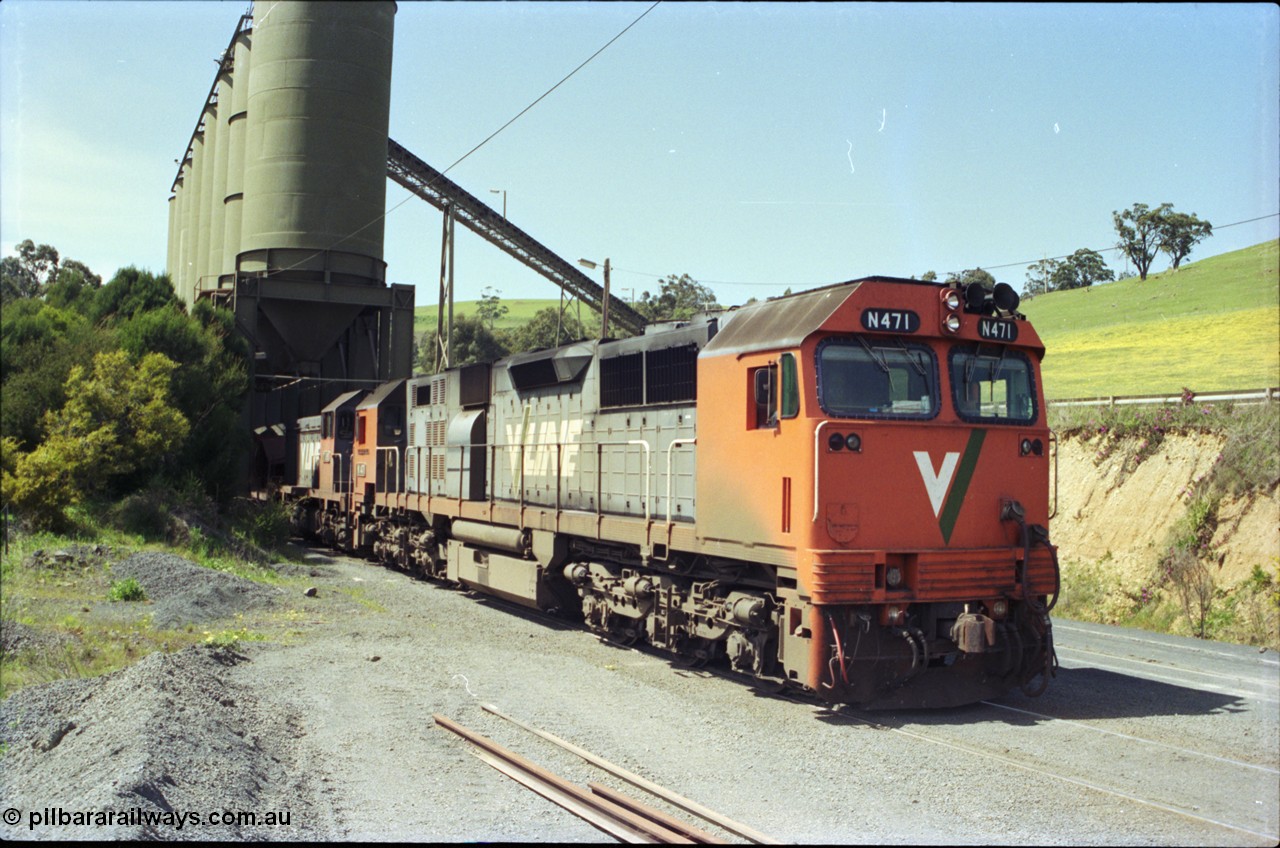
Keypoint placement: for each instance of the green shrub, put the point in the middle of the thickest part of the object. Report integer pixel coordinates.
(128, 589)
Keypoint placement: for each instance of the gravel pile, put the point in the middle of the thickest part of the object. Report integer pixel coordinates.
(154, 745)
(185, 593)
(16, 636)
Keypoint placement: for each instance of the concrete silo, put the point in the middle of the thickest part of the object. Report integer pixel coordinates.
(319, 105)
(237, 125)
(315, 178)
(194, 191)
(208, 194)
(279, 210)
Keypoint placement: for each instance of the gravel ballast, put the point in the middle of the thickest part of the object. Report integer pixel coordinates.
(169, 735)
(183, 592)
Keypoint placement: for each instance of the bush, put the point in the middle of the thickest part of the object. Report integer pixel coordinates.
(127, 590)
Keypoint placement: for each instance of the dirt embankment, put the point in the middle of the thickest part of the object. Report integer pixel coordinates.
(1113, 509)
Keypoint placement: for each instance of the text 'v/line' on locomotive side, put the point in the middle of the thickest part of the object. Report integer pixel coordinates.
(844, 490)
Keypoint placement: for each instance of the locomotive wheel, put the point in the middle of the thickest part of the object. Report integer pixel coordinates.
(694, 652)
(626, 637)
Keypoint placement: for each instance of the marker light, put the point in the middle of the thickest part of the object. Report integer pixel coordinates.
(893, 577)
(835, 442)
(951, 299)
(853, 442)
(951, 323)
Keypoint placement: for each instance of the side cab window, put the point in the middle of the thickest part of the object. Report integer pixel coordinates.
(771, 385)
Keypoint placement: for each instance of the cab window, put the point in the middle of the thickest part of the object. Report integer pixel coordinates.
(993, 385)
(880, 378)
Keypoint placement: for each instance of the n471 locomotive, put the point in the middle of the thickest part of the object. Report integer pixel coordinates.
(844, 490)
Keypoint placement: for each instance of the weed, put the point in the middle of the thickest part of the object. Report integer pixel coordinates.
(128, 589)
(230, 638)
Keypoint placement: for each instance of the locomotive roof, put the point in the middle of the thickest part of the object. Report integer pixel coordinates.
(342, 400)
(380, 394)
(784, 322)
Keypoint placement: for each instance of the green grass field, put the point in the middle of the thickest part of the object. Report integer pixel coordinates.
(519, 312)
(1213, 325)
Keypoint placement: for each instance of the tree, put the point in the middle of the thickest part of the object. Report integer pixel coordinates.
(27, 274)
(208, 385)
(929, 276)
(490, 308)
(39, 344)
(1080, 270)
(1179, 232)
(117, 423)
(973, 275)
(678, 298)
(546, 329)
(474, 342)
(132, 291)
(36, 268)
(1040, 277)
(76, 286)
(16, 281)
(1140, 230)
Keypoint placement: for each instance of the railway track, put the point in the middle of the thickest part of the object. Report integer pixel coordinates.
(619, 815)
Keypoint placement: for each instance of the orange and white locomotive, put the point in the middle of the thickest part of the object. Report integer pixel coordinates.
(844, 490)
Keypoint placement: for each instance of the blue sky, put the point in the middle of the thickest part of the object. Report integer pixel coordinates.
(753, 146)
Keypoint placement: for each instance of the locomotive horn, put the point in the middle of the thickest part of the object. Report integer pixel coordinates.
(1006, 299)
(974, 297)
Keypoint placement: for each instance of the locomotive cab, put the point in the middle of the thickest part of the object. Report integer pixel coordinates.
(922, 569)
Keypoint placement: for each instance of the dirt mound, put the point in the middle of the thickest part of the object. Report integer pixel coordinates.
(155, 751)
(16, 636)
(185, 593)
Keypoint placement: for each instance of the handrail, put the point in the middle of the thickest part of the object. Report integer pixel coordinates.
(671, 447)
(817, 432)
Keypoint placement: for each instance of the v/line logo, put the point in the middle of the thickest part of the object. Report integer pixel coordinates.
(948, 484)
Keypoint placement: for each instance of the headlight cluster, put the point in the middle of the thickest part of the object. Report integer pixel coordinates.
(951, 302)
(839, 441)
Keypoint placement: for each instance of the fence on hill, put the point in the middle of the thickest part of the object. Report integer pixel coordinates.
(1270, 394)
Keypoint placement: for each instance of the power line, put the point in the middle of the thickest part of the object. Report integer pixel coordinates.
(983, 267)
(1109, 249)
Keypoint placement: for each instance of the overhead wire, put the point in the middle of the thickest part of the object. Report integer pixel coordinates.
(777, 284)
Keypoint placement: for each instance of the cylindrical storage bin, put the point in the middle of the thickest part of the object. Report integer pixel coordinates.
(205, 170)
(218, 192)
(233, 201)
(316, 160)
(195, 220)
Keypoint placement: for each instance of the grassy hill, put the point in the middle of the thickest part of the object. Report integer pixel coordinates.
(519, 312)
(1213, 325)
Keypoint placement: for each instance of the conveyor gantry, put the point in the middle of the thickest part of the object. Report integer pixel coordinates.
(434, 187)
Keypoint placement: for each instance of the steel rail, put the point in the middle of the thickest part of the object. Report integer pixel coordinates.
(654, 815)
(647, 785)
(617, 821)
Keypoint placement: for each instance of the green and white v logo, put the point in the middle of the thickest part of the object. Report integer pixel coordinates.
(937, 483)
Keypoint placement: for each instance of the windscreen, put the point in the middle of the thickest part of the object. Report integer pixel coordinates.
(993, 385)
(877, 379)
